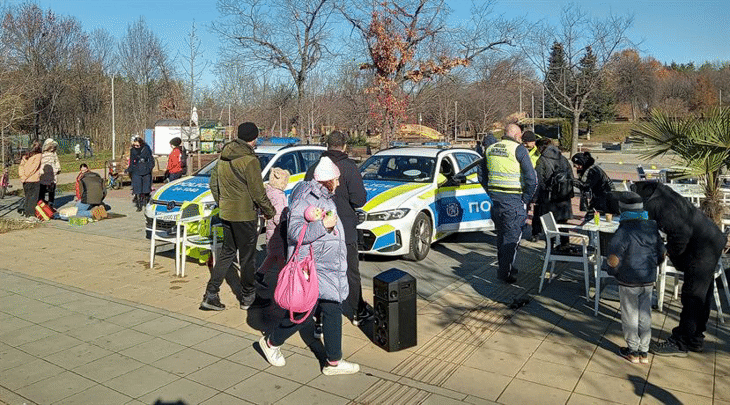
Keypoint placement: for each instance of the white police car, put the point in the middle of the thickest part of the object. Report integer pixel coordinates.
(417, 195)
(166, 201)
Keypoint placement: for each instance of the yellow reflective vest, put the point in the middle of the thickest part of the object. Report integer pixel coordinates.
(504, 169)
(534, 155)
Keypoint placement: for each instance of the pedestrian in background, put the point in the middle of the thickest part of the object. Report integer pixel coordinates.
(176, 160)
(50, 168)
(511, 183)
(275, 226)
(140, 167)
(325, 237)
(593, 182)
(554, 188)
(349, 195)
(29, 172)
(529, 140)
(634, 252)
(77, 151)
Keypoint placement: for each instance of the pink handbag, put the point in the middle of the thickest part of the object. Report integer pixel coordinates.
(298, 288)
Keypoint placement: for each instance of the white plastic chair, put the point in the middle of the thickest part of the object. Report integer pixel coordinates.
(166, 235)
(170, 236)
(206, 236)
(553, 232)
(667, 269)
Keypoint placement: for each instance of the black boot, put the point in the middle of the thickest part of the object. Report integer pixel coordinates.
(211, 302)
(139, 202)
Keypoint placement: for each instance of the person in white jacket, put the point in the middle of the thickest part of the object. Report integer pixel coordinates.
(50, 168)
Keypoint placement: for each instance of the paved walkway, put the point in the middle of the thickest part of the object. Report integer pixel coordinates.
(83, 319)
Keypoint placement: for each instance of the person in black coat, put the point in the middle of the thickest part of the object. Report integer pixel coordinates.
(140, 167)
(551, 167)
(349, 195)
(694, 245)
(593, 182)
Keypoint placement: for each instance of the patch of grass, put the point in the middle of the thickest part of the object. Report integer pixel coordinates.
(611, 131)
(10, 224)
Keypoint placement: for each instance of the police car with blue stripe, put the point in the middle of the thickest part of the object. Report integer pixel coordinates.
(167, 200)
(418, 195)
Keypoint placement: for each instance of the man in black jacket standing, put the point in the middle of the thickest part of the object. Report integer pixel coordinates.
(349, 195)
(552, 168)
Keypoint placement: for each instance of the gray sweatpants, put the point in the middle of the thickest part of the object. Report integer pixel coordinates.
(636, 316)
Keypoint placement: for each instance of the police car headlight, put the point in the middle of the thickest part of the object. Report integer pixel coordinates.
(388, 215)
(209, 206)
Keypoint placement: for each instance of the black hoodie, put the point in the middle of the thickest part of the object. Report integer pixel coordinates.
(349, 195)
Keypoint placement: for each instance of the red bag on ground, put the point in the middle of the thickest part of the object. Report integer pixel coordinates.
(43, 211)
(298, 288)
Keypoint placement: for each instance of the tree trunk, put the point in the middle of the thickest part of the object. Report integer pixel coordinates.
(574, 141)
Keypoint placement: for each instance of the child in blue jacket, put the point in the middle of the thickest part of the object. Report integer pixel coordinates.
(634, 253)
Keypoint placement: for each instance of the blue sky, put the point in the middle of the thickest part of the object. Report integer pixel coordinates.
(668, 30)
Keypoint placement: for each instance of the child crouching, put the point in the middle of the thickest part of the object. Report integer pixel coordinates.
(634, 253)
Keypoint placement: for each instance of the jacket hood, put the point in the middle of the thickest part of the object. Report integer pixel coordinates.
(307, 187)
(235, 149)
(551, 152)
(335, 155)
(48, 144)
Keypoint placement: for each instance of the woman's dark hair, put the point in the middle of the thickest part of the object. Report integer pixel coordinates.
(140, 140)
(34, 149)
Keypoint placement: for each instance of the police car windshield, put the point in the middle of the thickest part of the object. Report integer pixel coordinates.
(411, 169)
(263, 160)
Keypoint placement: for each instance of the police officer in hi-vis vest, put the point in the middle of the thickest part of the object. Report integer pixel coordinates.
(511, 183)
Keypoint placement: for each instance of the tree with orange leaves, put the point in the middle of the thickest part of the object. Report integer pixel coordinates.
(395, 34)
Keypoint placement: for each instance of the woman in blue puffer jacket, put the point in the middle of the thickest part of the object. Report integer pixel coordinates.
(326, 237)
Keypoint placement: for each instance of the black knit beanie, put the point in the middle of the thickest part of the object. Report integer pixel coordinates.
(248, 131)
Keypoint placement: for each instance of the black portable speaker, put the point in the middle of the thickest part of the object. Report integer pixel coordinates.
(395, 310)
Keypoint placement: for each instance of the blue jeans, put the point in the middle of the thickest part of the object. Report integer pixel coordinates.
(83, 210)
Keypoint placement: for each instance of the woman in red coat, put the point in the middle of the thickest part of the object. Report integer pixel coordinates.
(176, 161)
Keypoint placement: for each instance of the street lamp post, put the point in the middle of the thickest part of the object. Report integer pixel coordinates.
(114, 130)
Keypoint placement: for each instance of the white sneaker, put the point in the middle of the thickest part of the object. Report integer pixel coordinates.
(342, 367)
(272, 353)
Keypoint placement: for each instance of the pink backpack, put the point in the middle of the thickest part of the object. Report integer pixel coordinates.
(295, 291)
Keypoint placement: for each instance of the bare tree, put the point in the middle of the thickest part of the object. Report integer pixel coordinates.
(286, 35)
(194, 67)
(44, 46)
(588, 45)
(143, 61)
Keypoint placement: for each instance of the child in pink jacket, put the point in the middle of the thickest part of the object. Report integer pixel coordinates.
(275, 249)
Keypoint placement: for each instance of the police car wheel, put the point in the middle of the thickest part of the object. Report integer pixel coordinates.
(420, 243)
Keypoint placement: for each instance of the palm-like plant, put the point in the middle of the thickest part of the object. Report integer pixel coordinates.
(702, 142)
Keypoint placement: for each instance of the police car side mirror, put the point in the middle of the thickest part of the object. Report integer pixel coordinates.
(459, 178)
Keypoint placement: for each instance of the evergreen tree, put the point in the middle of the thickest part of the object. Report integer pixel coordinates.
(556, 79)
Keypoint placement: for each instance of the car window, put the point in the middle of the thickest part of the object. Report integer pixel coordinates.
(310, 157)
(205, 171)
(264, 159)
(472, 170)
(464, 159)
(417, 169)
(288, 161)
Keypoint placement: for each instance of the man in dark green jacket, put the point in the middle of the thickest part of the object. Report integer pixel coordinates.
(238, 189)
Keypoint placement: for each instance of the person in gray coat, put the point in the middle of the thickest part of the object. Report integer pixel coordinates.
(326, 237)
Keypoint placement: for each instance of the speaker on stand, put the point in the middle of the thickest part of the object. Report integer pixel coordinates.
(394, 301)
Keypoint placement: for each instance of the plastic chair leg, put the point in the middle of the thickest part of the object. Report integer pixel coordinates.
(718, 303)
(587, 281)
(662, 285)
